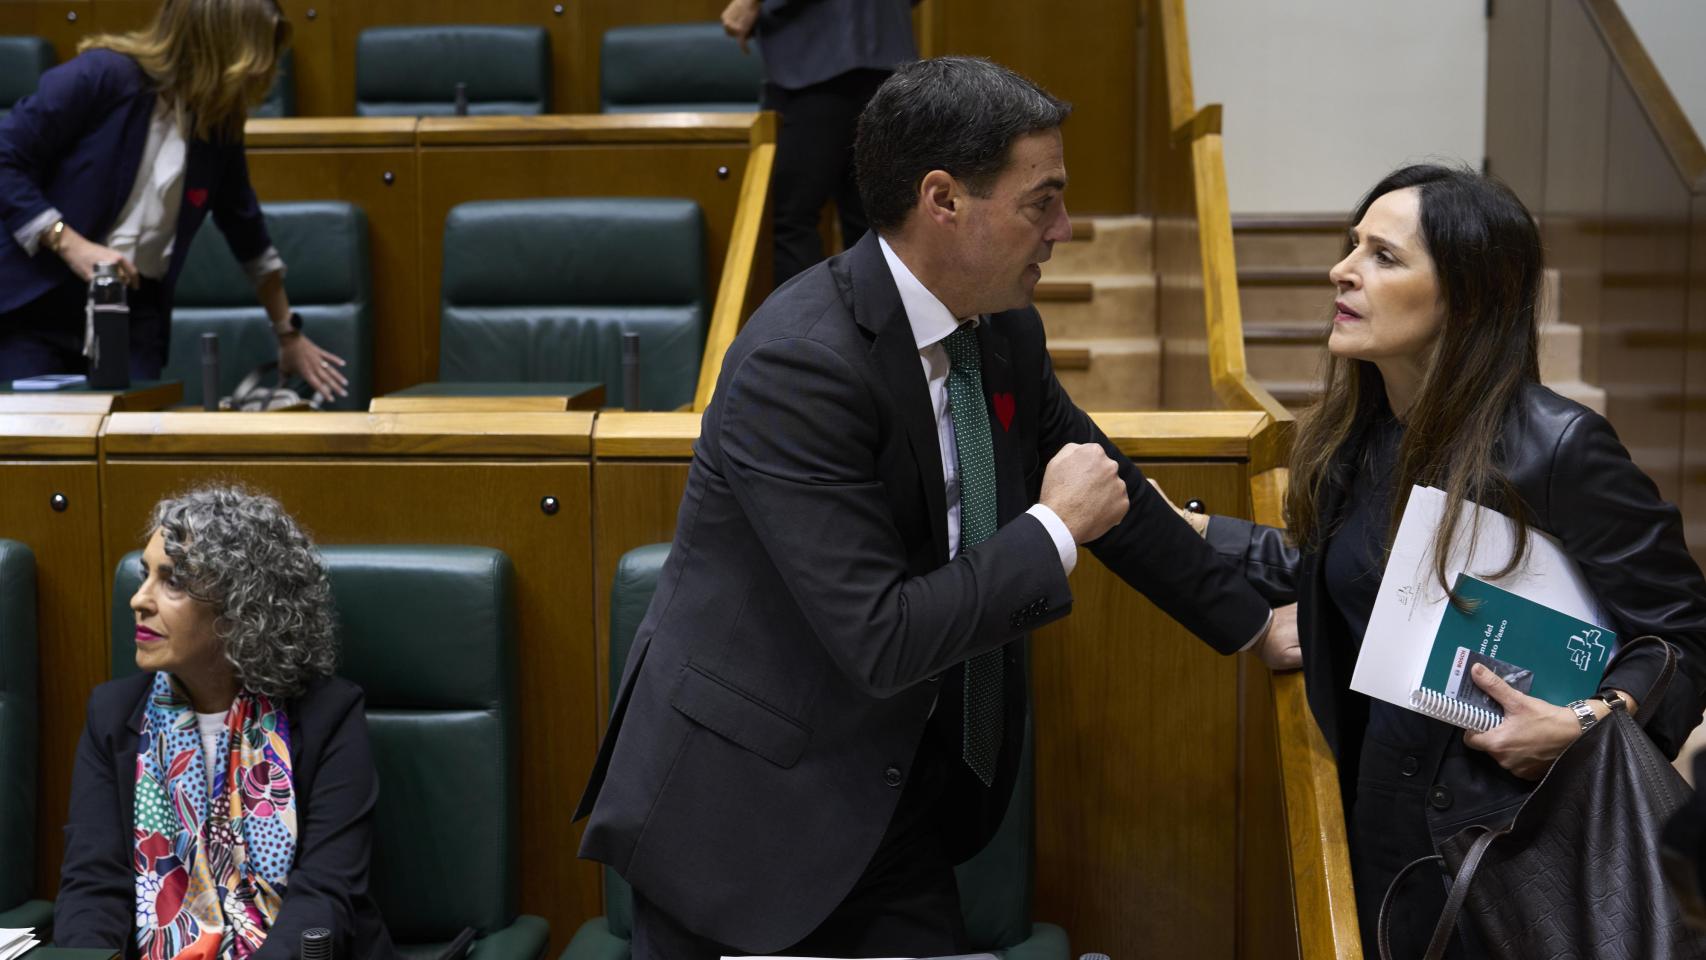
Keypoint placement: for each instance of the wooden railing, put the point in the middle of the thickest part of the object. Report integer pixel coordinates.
(746, 272)
(1285, 760)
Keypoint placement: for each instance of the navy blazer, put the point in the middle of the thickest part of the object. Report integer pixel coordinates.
(336, 789)
(76, 143)
(776, 693)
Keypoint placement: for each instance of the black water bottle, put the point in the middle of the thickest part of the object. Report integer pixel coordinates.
(630, 371)
(316, 944)
(210, 371)
(109, 321)
(460, 105)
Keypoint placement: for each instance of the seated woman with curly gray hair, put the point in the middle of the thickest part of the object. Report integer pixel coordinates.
(223, 798)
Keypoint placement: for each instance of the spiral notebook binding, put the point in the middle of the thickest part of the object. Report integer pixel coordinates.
(1454, 711)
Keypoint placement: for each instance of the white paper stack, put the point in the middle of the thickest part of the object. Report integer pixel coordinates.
(16, 943)
(1411, 603)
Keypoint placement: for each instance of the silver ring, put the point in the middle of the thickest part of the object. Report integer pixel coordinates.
(326, 363)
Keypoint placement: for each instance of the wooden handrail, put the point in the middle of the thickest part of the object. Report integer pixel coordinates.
(737, 293)
(1681, 141)
(1321, 890)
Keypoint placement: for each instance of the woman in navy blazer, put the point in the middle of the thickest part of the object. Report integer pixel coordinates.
(131, 144)
(222, 801)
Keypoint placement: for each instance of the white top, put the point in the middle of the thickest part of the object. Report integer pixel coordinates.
(931, 324)
(147, 225)
(211, 726)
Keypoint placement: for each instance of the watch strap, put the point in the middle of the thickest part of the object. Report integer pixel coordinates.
(1584, 713)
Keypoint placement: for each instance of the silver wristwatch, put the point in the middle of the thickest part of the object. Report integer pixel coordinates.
(1584, 714)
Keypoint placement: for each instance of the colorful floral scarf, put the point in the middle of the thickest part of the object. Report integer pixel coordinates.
(211, 863)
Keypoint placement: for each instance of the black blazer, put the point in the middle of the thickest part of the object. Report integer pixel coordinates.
(336, 789)
(779, 685)
(1580, 486)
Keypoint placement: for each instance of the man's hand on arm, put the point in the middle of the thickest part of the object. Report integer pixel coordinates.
(1279, 647)
(1083, 488)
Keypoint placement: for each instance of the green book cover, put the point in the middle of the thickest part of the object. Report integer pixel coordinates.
(1536, 649)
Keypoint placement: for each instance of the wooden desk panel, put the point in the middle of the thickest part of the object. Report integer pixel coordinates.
(453, 175)
(1137, 787)
(70, 615)
(61, 22)
(634, 504)
(490, 503)
(357, 175)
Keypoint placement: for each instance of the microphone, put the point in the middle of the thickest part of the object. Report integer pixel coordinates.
(631, 371)
(316, 944)
(210, 371)
(460, 104)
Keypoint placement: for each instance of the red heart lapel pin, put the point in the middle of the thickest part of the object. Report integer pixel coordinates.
(197, 196)
(1003, 409)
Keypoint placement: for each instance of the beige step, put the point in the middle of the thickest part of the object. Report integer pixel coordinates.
(1295, 352)
(1098, 307)
(1185, 383)
(1293, 296)
(1288, 240)
(1585, 394)
(1560, 353)
(1122, 373)
(1105, 245)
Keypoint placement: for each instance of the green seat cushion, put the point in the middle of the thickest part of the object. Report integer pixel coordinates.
(281, 98)
(22, 62)
(543, 290)
(413, 71)
(324, 245)
(677, 66)
(428, 632)
(594, 941)
(18, 705)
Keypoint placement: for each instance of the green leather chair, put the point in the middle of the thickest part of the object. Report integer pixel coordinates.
(542, 291)
(324, 246)
(281, 99)
(22, 62)
(995, 885)
(677, 66)
(429, 633)
(18, 741)
(413, 71)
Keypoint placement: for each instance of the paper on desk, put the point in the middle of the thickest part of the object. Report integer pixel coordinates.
(15, 943)
(1411, 603)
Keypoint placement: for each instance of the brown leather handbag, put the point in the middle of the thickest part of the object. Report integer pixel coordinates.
(1576, 874)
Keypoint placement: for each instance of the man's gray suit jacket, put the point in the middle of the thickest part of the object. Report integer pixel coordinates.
(780, 682)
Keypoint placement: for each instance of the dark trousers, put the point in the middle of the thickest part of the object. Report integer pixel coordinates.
(814, 164)
(46, 334)
(905, 904)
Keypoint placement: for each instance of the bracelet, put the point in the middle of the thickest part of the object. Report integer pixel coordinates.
(1584, 714)
(54, 237)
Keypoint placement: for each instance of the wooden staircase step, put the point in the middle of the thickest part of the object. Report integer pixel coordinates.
(1283, 277)
(1065, 291)
(1284, 335)
(1288, 223)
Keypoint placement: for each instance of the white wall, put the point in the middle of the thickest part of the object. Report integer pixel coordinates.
(1324, 97)
(1674, 33)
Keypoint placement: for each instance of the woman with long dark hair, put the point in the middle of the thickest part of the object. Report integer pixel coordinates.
(1433, 378)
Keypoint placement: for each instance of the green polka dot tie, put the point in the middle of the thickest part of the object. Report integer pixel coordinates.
(981, 721)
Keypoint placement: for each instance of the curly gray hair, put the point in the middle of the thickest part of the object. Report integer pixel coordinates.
(241, 552)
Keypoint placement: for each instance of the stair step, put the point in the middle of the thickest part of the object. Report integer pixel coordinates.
(1333, 223)
(1121, 246)
(1311, 277)
(1064, 291)
(1111, 373)
(1312, 241)
(1119, 306)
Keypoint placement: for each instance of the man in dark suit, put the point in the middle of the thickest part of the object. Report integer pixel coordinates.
(823, 708)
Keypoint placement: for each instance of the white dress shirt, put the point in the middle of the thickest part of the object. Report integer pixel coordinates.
(931, 324)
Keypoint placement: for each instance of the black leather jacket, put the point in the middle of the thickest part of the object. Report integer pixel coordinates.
(1580, 486)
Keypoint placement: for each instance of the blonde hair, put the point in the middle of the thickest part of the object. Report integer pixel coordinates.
(212, 59)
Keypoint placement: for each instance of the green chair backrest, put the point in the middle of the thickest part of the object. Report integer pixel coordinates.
(281, 99)
(677, 67)
(429, 634)
(995, 886)
(22, 62)
(413, 71)
(17, 723)
(542, 291)
(327, 275)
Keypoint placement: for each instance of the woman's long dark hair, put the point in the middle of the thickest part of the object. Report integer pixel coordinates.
(1487, 259)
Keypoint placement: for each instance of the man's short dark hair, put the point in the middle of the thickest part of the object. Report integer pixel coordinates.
(959, 114)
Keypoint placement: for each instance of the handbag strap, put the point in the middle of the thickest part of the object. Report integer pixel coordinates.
(1650, 703)
(1453, 901)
